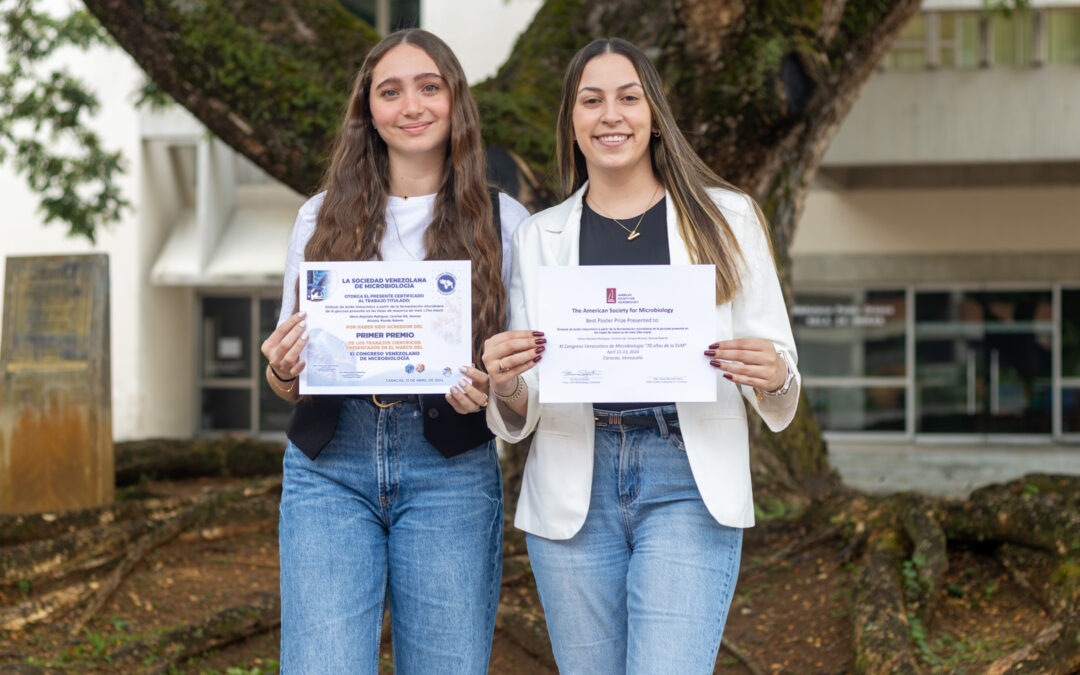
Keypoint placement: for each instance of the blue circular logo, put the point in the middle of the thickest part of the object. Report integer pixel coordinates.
(409, 368)
(446, 283)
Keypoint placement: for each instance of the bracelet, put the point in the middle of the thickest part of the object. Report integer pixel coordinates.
(280, 378)
(787, 380)
(518, 391)
(284, 391)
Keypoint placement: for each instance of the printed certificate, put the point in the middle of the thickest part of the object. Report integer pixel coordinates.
(386, 327)
(627, 333)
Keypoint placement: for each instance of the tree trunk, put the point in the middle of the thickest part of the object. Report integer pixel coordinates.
(168, 459)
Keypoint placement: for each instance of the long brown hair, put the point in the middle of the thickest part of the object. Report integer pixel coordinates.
(702, 225)
(352, 220)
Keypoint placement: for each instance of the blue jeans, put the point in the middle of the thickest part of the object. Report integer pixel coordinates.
(381, 514)
(645, 585)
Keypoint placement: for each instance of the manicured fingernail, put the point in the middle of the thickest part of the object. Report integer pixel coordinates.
(714, 345)
(541, 341)
(464, 369)
(710, 352)
(537, 359)
(304, 336)
(728, 376)
(304, 313)
(303, 323)
(463, 383)
(718, 364)
(540, 349)
(538, 333)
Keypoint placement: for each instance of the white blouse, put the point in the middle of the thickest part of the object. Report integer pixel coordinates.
(406, 220)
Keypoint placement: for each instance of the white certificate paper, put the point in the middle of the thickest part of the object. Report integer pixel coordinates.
(627, 333)
(385, 327)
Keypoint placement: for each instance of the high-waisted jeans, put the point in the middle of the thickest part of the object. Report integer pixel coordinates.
(380, 513)
(646, 584)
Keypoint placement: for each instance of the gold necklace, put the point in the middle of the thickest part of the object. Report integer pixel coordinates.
(632, 234)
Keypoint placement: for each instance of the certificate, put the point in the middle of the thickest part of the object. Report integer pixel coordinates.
(627, 333)
(385, 327)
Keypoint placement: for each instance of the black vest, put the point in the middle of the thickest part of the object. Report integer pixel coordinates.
(314, 418)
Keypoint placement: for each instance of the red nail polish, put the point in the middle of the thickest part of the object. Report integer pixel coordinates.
(538, 333)
(537, 359)
(540, 349)
(710, 352)
(541, 341)
(716, 363)
(728, 376)
(714, 345)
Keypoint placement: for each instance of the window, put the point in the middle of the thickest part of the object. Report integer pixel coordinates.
(969, 39)
(852, 354)
(233, 393)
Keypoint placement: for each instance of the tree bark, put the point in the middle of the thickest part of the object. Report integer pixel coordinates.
(168, 459)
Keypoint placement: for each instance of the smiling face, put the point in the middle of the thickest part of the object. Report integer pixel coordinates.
(611, 118)
(410, 103)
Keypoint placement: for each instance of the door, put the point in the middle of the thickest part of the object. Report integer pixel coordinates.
(983, 362)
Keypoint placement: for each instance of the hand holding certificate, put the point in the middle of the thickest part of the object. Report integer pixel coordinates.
(628, 333)
(386, 328)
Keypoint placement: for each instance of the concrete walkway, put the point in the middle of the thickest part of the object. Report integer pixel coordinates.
(945, 470)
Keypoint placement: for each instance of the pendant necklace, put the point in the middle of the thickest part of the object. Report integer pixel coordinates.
(631, 234)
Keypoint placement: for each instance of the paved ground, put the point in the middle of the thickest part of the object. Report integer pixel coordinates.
(945, 470)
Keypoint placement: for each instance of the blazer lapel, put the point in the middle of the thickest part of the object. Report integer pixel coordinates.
(676, 248)
(562, 232)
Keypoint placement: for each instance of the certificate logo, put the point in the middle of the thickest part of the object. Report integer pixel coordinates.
(318, 282)
(419, 367)
(446, 371)
(446, 283)
(611, 296)
(409, 368)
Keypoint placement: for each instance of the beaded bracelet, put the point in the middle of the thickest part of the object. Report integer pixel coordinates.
(518, 390)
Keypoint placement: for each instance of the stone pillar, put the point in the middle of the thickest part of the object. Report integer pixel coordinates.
(56, 447)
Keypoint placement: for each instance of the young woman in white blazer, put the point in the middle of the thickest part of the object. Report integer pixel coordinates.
(633, 513)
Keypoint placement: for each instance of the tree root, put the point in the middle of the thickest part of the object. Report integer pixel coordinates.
(214, 631)
(205, 509)
(39, 609)
(809, 541)
(527, 628)
(68, 552)
(19, 529)
(1055, 650)
(878, 614)
(743, 656)
(929, 555)
(516, 569)
(179, 459)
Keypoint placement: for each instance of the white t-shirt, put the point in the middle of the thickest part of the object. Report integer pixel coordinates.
(406, 220)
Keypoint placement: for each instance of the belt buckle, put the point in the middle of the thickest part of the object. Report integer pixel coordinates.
(607, 419)
(600, 420)
(375, 400)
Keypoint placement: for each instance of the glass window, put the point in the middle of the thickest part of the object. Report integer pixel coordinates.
(1070, 410)
(226, 409)
(273, 411)
(1014, 38)
(1070, 332)
(226, 337)
(1063, 35)
(859, 408)
(959, 39)
(908, 51)
(851, 333)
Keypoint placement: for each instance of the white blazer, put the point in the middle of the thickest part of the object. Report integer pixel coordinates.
(557, 484)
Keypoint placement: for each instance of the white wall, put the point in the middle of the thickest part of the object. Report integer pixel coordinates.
(113, 76)
(971, 220)
(481, 32)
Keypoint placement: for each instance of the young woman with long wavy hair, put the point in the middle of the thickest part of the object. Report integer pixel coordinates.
(634, 512)
(395, 497)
